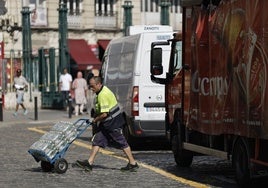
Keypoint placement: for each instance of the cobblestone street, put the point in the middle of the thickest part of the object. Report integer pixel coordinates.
(19, 169)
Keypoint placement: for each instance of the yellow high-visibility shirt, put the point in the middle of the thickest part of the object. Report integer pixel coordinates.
(105, 100)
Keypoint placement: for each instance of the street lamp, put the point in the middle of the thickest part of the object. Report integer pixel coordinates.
(8, 26)
(27, 46)
(164, 17)
(63, 36)
(127, 15)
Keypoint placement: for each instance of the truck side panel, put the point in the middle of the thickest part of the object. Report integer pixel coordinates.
(228, 64)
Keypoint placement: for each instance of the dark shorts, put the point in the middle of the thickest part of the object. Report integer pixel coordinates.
(65, 97)
(114, 138)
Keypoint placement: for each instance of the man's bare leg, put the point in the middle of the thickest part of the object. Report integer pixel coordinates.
(94, 151)
(129, 155)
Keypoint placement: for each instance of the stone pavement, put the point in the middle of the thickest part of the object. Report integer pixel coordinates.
(19, 169)
(43, 116)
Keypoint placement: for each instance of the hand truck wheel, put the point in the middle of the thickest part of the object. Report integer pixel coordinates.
(60, 166)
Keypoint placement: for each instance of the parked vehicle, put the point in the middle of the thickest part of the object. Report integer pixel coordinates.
(125, 68)
(217, 101)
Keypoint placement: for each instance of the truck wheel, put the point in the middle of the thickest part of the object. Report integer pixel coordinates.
(241, 163)
(46, 166)
(183, 158)
(61, 166)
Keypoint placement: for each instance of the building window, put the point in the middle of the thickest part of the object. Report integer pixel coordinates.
(150, 5)
(37, 3)
(154, 5)
(38, 12)
(104, 7)
(175, 6)
(74, 6)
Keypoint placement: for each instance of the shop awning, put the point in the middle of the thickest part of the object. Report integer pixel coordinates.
(102, 47)
(82, 55)
(103, 43)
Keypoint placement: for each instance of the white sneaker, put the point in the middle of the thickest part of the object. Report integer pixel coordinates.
(15, 114)
(25, 112)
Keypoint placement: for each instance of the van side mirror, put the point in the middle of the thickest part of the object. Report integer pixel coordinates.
(156, 61)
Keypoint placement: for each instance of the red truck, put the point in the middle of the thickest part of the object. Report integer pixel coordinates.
(216, 96)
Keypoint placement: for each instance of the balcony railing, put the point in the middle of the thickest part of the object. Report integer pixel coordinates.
(74, 21)
(106, 20)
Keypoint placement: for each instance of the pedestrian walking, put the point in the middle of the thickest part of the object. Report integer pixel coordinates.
(110, 122)
(80, 89)
(90, 96)
(20, 83)
(65, 84)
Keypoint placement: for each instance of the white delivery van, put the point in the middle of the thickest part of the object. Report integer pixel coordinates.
(125, 70)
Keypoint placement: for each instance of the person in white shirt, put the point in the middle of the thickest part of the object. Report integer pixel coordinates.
(65, 84)
(20, 84)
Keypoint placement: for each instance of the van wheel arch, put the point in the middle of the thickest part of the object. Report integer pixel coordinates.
(130, 139)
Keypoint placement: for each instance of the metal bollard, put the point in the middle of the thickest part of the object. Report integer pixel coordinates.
(70, 105)
(1, 109)
(35, 109)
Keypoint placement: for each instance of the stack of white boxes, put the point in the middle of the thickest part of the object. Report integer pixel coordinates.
(54, 141)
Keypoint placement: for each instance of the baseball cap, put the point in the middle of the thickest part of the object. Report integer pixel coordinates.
(19, 71)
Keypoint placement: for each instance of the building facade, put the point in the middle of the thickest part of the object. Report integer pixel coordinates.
(90, 22)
